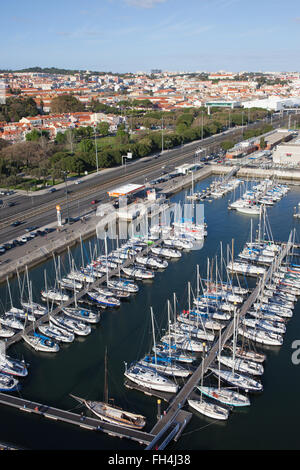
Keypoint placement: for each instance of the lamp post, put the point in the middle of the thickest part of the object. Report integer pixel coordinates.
(67, 201)
(124, 156)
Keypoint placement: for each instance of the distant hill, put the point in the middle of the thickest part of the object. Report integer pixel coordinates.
(52, 70)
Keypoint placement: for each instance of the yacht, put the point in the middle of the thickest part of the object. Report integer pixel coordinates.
(12, 366)
(227, 396)
(211, 410)
(238, 380)
(8, 383)
(40, 342)
(80, 328)
(82, 314)
(148, 378)
(50, 330)
(114, 415)
(164, 366)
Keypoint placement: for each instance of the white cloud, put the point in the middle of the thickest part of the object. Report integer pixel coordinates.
(144, 3)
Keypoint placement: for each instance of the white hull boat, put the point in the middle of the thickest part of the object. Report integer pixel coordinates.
(148, 378)
(226, 396)
(209, 409)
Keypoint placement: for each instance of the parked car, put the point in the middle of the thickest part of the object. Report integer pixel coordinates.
(2, 249)
(52, 190)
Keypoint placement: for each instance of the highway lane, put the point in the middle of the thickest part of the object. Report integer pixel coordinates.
(24, 202)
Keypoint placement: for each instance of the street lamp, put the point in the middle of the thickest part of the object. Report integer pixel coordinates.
(67, 201)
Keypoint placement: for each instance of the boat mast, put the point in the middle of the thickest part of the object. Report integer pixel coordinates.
(9, 293)
(219, 378)
(154, 344)
(105, 378)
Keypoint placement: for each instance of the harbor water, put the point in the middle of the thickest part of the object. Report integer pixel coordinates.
(78, 368)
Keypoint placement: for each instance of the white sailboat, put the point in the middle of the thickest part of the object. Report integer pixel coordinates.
(206, 408)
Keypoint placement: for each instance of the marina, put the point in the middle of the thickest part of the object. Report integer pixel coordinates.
(174, 421)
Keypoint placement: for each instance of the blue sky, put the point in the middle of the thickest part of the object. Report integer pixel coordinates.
(139, 35)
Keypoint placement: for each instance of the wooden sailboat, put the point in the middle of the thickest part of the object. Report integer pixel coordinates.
(111, 413)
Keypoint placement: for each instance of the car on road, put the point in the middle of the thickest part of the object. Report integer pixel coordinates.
(11, 204)
(16, 223)
(52, 190)
(30, 229)
(71, 220)
(8, 245)
(94, 201)
(78, 182)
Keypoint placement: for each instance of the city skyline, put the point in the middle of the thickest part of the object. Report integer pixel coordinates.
(133, 35)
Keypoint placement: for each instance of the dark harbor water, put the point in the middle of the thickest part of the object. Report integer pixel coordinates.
(269, 423)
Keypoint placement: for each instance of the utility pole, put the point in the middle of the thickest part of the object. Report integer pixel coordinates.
(242, 123)
(202, 126)
(162, 134)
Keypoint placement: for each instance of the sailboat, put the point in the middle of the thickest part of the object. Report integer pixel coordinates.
(206, 408)
(11, 366)
(8, 383)
(231, 376)
(164, 365)
(40, 342)
(111, 413)
(227, 396)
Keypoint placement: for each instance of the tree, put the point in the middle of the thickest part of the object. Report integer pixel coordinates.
(262, 143)
(16, 108)
(227, 144)
(103, 128)
(61, 138)
(66, 103)
(35, 135)
(122, 136)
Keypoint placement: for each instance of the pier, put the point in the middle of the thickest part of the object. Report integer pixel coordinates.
(19, 335)
(180, 399)
(173, 421)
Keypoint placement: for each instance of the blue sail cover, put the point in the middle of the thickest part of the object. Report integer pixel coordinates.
(151, 359)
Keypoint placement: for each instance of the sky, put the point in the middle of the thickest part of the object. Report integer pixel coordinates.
(141, 35)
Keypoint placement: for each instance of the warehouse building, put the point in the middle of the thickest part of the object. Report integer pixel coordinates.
(272, 103)
(272, 139)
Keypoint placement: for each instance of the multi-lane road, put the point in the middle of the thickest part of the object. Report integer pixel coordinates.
(33, 210)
